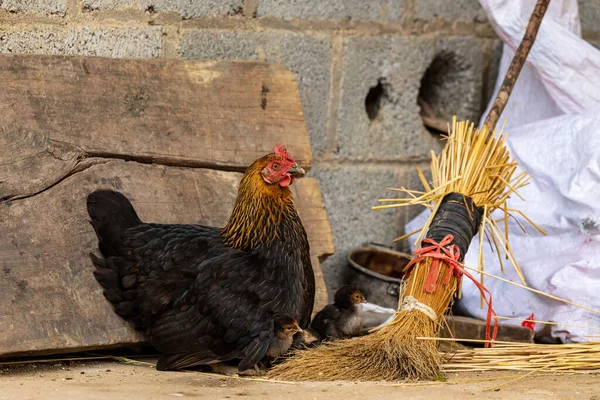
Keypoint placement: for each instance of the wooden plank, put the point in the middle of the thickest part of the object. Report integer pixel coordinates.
(473, 328)
(49, 299)
(56, 112)
(308, 201)
(321, 298)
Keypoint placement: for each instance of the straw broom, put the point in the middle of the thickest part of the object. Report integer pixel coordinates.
(472, 166)
(472, 178)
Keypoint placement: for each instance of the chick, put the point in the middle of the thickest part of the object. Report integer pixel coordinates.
(285, 329)
(343, 318)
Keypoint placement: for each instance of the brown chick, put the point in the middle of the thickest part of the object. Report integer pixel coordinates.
(285, 329)
(343, 318)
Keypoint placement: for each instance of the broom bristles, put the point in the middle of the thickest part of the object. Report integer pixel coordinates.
(392, 352)
(379, 356)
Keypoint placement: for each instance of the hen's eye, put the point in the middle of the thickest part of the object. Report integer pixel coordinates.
(275, 166)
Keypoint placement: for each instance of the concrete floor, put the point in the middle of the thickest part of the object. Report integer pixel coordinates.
(95, 380)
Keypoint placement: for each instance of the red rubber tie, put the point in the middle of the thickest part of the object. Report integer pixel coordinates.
(449, 253)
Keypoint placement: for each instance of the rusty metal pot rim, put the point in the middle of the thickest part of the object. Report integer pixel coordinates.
(377, 275)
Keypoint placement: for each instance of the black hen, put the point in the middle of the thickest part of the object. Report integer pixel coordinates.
(203, 294)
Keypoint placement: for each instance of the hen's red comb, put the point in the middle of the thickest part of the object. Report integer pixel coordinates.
(280, 150)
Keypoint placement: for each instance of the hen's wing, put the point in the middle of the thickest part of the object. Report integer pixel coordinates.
(198, 300)
(152, 266)
(308, 294)
(226, 314)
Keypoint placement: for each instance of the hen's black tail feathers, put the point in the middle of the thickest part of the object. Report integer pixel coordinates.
(110, 214)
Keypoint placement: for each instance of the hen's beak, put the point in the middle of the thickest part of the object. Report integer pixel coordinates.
(298, 329)
(297, 171)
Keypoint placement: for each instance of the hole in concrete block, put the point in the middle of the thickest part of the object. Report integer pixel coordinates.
(374, 99)
(441, 94)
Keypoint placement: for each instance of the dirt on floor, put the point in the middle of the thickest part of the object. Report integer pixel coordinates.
(96, 380)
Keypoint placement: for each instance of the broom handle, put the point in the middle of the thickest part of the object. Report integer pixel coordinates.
(517, 64)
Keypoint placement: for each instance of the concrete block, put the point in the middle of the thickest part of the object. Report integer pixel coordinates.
(457, 86)
(93, 5)
(387, 70)
(191, 9)
(348, 193)
(35, 6)
(143, 42)
(115, 42)
(309, 57)
(465, 10)
(185, 8)
(589, 13)
(374, 10)
(379, 116)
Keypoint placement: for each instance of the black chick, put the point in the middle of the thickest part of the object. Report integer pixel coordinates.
(343, 318)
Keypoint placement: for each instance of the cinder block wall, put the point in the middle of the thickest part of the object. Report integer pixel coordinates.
(360, 65)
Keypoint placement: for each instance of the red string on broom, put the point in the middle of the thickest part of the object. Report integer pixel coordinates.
(449, 253)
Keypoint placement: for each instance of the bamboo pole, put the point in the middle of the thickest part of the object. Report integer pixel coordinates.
(517, 64)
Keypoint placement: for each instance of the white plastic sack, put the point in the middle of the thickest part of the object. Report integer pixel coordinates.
(554, 134)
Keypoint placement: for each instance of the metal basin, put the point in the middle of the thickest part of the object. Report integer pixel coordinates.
(377, 272)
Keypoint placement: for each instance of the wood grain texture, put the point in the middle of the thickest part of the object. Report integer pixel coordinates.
(55, 112)
(472, 328)
(49, 299)
(168, 134)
